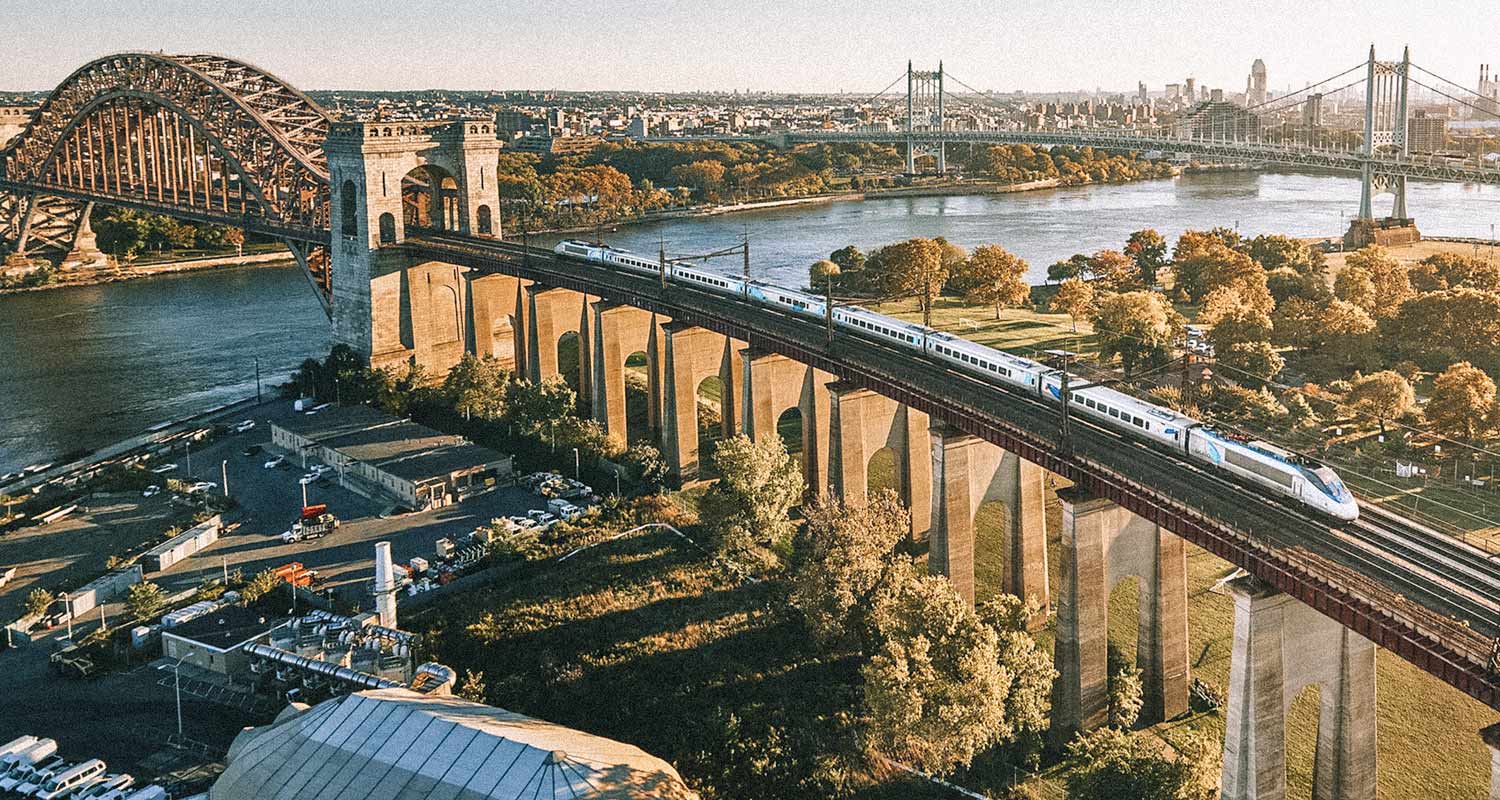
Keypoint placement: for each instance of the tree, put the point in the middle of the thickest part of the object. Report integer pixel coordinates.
(38, 601)
(821, 271)
(1258, 361)
(1113, 765)
(1452, 270)
(1136, 326)
(1126, 693)
(1383, 395)
(1346, 332)
(995, 277)
(934, 694)
(915, 267)
(704, 176)
(1075, 266)
(953, 256)
(1299, 410)
(1446, 326)
(1463, 398)
(1275, 251)
(848, 565)
(473, 688)
(849, 258)
(536, 407)
(145, 600)
(1148, 250)
(1389, 283)
(1355, 286)
(746, 510)
(259, 586)
(1027, 667)
(1112, 270)
(1074, 298)
(476, 387)
(648, 470)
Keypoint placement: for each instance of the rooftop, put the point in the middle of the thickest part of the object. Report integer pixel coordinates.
(404, 746)
(400, 447)
(225, 628)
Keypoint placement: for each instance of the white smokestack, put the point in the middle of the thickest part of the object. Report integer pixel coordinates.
(385, 585)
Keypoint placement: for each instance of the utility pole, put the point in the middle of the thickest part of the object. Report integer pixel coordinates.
(257, 377)
(1066, 432)
(661, 255)
(828, 310)
(746, 248)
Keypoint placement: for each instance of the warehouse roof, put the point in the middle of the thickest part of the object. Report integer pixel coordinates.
(225, 628)
(401, 745)
(396, 446)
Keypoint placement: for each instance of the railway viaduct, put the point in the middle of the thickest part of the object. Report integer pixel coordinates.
(397, 225)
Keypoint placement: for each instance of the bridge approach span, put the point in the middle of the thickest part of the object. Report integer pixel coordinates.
(1398, 596)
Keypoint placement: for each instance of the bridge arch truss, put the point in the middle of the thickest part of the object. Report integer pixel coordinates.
(199, 137)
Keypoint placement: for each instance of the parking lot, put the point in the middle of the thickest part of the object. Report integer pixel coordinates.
(271, 499)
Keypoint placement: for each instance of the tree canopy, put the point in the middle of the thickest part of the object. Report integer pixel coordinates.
(747, 510)
(1136, 326)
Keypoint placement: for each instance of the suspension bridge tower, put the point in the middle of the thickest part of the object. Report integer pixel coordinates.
(924, 113)
(1385, 135)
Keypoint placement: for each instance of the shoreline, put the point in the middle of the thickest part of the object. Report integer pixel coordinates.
(99, 277)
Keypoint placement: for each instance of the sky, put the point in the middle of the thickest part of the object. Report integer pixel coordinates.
(855, 47)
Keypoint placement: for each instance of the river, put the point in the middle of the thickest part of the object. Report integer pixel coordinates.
(81, 367)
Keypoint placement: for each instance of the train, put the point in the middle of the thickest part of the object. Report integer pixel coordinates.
(1263, 466)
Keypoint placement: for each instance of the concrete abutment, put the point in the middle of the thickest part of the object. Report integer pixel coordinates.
(862, 422)
(773, 384)
(690, 355)
(1281, 646)
(1103, 543)
(619, 331)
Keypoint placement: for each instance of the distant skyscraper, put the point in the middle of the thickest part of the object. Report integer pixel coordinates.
(1312, 111)
(1140, 91)
(1190, 90)
(1255, 85)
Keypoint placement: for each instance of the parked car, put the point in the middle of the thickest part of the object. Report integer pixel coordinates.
(251, 451)
(246, 425)
(151, 491)
(275, 461)
(200, 487)
(308, 478)
(164, 469)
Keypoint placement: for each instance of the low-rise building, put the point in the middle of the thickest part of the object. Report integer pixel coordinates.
(375, 453)
(216, 641)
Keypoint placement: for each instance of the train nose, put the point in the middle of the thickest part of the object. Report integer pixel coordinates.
(1348, 512)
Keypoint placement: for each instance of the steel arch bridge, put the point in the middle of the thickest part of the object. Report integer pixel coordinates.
(199, 137)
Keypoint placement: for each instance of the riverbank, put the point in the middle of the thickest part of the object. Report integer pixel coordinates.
(96, 277)
(937, 189)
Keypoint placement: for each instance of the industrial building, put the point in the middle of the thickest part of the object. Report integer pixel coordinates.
(216, 641)
(400, 744)
(380, 455)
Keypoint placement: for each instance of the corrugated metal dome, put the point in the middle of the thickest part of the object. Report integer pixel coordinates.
(396, 744)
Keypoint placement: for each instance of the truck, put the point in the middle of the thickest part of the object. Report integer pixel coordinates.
(296, 574)
(315, 522)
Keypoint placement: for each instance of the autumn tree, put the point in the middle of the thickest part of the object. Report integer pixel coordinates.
(1346, 332)
(1383, 395)
(993, 276)
(915, 267)
(1148, 250)
(1257, 361)
(1136, 326)
(1463, 398)
(822, 271)
(848, 564)
(1375, 281)
(1075, 298)
(1112, 270)
(536, 407)
(703, 176)
(849, 258)
(1453, 270)
(746, 510)
(1275, 251)
(934, 693)
(1446, 326)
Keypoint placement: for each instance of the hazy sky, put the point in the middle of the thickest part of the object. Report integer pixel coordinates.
(782, 45)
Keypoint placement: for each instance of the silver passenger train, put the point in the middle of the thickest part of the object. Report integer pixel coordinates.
(1265, 466)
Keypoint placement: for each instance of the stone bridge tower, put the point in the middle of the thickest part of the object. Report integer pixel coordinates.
(390, 180)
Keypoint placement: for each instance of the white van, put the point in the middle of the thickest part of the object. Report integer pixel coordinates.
(24, 770)
(38, 775)
(70, 780)
(115, 784)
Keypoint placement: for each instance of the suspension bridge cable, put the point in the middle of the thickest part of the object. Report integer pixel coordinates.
(1461, 102)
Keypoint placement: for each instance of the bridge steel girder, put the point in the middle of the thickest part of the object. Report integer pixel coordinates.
(1431, 641)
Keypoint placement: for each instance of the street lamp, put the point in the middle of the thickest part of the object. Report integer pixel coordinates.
(575, 464)
(224, 475)
(177, 688)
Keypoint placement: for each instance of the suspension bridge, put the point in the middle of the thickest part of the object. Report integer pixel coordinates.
(1295, 130)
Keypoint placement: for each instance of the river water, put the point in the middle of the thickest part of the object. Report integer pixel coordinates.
(82, 367)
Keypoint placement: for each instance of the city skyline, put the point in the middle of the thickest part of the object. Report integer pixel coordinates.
(1056, 49)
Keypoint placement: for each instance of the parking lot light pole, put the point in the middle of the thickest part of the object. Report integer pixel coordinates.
(304, 495)
(177, 687)
(224, 475)
(575, 464)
